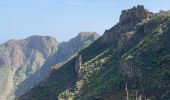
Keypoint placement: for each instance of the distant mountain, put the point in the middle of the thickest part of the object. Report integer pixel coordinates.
(70, 48)
(130, 61)
(21, 59)
(24, 63)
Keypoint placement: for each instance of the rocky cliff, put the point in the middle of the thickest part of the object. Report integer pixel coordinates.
(79, 66)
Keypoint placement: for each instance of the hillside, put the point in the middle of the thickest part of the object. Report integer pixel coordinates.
(129, 62)
(24, 63)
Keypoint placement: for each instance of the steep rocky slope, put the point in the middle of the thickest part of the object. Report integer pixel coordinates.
(24, 63)
(129, 62)
(22, 59)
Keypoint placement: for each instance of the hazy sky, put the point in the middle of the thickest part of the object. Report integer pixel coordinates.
(64, 19)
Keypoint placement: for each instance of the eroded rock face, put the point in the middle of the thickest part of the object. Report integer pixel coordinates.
(79, 67)
(124, 30)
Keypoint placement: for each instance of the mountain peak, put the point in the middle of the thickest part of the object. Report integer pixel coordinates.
(124, 30)
(38, 37)
(83, 36)
(88, 34)
(135, 14)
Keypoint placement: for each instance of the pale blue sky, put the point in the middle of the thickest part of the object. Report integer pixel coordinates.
(64, 19)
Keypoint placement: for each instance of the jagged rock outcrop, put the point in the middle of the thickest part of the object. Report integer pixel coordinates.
(124, 30)
(79, 67)
(134, 16)
(80, 72)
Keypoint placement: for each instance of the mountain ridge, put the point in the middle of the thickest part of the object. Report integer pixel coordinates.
(116, 66)
(24, 63)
